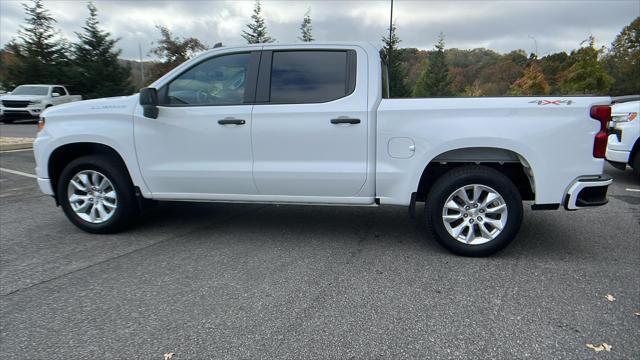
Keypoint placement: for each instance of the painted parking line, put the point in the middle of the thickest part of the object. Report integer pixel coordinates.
(16, 172)
(632, 190)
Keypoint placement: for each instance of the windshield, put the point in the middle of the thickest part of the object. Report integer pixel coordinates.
(30, 90)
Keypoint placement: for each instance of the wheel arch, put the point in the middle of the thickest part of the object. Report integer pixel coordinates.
(509, 162)
(64, 154)
(634, 151)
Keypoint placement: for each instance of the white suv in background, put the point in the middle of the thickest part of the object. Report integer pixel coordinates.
(623, 146)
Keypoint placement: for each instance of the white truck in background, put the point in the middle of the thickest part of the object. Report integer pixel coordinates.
(29, 101)
(624, 140)
(313, 124)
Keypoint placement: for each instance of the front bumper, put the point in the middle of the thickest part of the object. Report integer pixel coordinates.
(618, 156)
(45, 186)
(28, 112)
(588, 192)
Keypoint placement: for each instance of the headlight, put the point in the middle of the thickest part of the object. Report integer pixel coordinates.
(40, 124)
(624, 118)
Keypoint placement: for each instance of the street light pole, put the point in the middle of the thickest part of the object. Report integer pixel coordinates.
(391, 22)
(141, 65)
(535, 42)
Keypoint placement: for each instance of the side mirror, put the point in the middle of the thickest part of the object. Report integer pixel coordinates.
(55, 94)
(149, 102)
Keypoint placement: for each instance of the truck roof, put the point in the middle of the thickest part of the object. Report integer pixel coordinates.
(364, 44)
(40, 85)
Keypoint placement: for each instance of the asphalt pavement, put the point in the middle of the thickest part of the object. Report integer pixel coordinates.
(228, 281)
(21, 128)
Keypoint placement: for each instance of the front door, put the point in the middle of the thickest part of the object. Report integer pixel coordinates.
(310, 123)
(199, 147)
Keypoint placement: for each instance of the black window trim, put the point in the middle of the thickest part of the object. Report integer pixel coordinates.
(263, 91)
(251, 81)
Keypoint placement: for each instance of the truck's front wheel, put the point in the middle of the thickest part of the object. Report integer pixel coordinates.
(474, 210)
(97, 195)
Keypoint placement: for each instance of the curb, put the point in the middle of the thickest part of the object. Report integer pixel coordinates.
(19, 146)
(8, 143)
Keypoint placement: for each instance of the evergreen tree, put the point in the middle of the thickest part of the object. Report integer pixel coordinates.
(532, 82)
(41, 56)
(257, 33)
(98, 71)
(393, 58)
(305, 28)
(588, 74)
(435, 79)
(624, 60)
(173, 51)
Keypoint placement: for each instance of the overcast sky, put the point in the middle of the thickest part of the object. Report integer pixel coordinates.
(503, 26)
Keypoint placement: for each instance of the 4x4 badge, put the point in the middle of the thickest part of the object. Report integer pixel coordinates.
(551, 102)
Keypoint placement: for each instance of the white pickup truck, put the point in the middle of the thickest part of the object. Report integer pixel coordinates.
(28, 101)
(623, 147)
(312, 124)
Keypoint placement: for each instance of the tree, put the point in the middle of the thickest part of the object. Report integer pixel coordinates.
(40, 53)
(98, 71)
(173, 51)
(435, 79)
(397, 73)
(305, 28)
(473, 89)
(588, 74)
(257, 33)
(623, 60)
(532, 82)
(553, 67)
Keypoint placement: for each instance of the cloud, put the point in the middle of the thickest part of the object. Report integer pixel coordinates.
(500, 25)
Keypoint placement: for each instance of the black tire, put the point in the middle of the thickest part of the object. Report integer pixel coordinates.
(635, 164)
(457, 178)
(127, 208)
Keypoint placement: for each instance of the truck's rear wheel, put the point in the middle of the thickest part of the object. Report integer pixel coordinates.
(96, 194)
(474, 210)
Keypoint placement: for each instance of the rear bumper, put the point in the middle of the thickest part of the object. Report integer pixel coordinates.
(588, 192)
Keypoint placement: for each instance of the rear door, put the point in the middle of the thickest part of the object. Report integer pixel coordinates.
(309, 123)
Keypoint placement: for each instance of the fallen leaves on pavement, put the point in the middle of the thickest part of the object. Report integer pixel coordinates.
(598, 348)
(168, 355)
(610, 297)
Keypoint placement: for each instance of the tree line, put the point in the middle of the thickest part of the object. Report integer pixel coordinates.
(91, 64)
(483, 72)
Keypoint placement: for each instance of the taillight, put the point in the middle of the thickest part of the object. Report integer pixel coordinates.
(601, 113)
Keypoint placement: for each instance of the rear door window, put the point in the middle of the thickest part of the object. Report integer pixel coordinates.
(311, 76)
